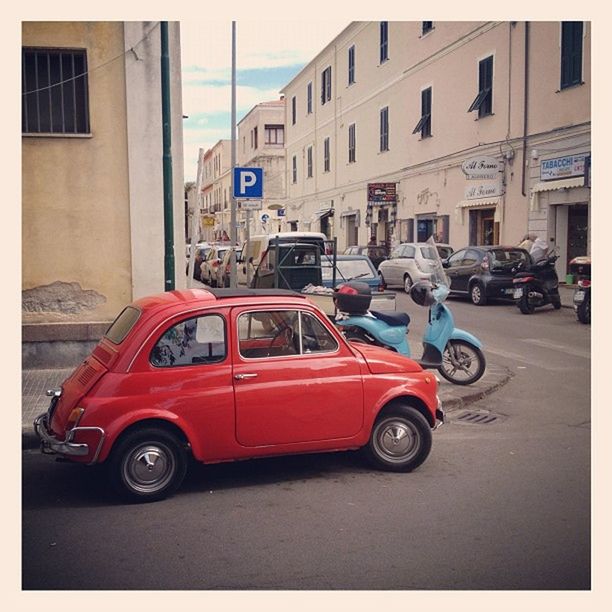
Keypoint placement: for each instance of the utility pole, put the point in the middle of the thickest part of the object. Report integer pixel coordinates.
(167, 161)
(233, 228)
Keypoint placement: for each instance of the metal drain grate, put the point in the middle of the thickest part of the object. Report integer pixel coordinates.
(476, 418)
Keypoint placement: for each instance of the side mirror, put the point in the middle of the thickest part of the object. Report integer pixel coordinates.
(445, 263)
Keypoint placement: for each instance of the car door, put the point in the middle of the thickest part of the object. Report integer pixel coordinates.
(294, 381)
(454, 270)
(470, 267)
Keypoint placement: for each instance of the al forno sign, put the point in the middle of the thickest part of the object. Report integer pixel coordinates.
(562, 167)
(482, 167)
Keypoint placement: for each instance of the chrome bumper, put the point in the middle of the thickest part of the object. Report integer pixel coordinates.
(439, 415)
(51, 444)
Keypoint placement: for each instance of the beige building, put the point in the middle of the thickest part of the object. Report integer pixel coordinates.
(216, 187)
(261, 144)
(92, 186)
(407, 129)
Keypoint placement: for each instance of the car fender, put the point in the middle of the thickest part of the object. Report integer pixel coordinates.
(118, 426)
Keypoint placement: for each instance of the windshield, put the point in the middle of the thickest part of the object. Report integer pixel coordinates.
(502, 258)
(347, 269)
(438, 275)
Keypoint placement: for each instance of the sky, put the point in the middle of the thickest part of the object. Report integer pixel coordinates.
(269, 53)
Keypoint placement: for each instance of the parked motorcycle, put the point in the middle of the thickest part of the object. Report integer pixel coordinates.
(455, 353)
(538, 285)
(581, 266)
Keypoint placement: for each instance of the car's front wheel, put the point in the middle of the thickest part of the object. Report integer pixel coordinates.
(407, 283)
(148, 464)
(400, 440)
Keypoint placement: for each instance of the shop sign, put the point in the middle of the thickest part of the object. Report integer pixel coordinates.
(483, 190)
(562, 167)
(482, 167)
(382, 193)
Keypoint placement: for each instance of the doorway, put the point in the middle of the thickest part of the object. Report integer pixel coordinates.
(577, 230)
(484, 230)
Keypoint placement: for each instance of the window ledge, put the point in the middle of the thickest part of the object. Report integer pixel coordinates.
(54, 135)
(484, 116)
(569, 87)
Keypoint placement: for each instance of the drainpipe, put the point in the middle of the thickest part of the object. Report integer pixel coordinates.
(167, 161)
(525, 108)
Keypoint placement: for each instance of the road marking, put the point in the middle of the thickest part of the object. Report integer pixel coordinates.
(559, 347)
(532, 362)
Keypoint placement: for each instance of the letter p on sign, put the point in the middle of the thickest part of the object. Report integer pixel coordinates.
(248, 183)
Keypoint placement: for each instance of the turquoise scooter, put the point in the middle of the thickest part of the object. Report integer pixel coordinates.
(455, 353)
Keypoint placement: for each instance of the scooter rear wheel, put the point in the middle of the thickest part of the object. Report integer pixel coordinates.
(583, 313)
(524, 306)
(462, 363)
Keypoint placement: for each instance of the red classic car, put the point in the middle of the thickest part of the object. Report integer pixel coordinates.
(228, 374)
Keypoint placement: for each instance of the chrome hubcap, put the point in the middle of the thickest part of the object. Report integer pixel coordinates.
(397, 440)
(149, 468)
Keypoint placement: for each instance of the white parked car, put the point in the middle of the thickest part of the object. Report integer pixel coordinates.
(209, 267)
(409, 263)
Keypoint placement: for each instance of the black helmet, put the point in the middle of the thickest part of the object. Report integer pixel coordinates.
(421, 293)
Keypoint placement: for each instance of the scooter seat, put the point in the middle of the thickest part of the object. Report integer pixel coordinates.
(393, 319)
(523, 275)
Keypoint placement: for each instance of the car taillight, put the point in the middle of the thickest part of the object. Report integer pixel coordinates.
(74, 418)
(584, 283)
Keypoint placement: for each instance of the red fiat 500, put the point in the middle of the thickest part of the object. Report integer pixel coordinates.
(232, 374)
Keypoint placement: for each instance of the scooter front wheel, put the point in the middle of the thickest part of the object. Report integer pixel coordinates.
(462, 363)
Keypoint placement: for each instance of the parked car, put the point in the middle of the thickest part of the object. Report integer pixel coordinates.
(409, 263)
(227, 374)
(485, 272)
(350, 267)
(201, 250)
(377, 254)
(209, 267)
(223, 270)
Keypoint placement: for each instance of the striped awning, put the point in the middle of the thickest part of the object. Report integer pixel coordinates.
(481, 203)
(569, 183)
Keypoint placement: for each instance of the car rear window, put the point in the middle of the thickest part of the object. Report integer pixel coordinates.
(122, 325)
(347, 270)
(429, 252)
(506, 258)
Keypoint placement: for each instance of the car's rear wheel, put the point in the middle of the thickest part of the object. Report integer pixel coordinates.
(400, 440)
(148, 464)
(477, 294)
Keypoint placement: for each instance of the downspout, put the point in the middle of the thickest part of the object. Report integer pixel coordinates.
(525, 108)
(167, 161)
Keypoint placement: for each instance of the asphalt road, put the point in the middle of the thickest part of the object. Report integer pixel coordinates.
(503, 505)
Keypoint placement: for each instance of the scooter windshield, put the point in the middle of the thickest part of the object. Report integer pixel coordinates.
(439, 279)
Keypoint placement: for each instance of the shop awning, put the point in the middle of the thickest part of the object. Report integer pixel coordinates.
(481, 203)
(321, 214)
(569, 183)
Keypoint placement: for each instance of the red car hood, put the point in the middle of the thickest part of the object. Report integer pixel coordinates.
(385, 361)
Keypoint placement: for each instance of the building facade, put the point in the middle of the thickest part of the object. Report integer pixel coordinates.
(261, 144)
(92, 188)
(402, 130)
(216, 187)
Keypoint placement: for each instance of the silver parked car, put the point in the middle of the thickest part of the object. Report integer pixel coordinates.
(409, 263)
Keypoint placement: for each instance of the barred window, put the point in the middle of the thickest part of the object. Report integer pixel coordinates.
(326, 164)
(309, 162)
(384, 129)
(55, 97)
(351, 65)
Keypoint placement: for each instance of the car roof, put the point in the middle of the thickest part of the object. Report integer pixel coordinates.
(420, 244)
(491, 247)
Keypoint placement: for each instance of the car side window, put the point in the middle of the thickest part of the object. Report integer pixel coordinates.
(396, 252)
(276, 333)
(471, 258)
(198, 340)
(456, 259)
(408, 252)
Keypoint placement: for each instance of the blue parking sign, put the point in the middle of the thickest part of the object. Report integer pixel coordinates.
(248, 183)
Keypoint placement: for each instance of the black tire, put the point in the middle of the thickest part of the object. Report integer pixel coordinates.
(524, 306)
(478, 295)
(583, 313)
(400, 440)
(556, 302)
(407, 283)
(147, 465)
(469, 363)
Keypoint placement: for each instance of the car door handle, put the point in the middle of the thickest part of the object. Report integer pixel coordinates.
(243, 376)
